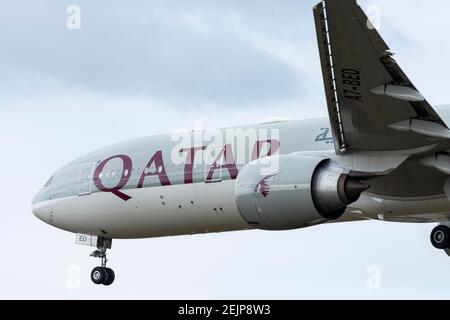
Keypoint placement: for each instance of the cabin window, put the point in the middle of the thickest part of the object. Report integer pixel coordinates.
(49, 182)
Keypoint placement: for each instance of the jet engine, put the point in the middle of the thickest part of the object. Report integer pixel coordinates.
(294, 191)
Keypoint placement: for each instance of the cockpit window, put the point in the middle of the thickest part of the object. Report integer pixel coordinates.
(49, 182)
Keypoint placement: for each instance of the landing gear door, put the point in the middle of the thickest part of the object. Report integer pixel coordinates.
(85, 180)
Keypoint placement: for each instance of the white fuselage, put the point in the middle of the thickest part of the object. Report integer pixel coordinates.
(153, 212)
(200, 207)
(204, 208)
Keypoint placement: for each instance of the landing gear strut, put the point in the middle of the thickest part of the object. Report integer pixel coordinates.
(102, 274)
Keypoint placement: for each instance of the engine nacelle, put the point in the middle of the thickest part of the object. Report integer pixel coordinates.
(304, 191)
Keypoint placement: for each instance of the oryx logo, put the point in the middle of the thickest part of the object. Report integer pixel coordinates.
(263, 185)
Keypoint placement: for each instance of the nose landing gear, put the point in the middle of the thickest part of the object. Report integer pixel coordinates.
(102, 275)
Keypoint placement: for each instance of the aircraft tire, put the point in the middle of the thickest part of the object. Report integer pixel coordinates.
(440, 237)
(110, 276)
(99, 275)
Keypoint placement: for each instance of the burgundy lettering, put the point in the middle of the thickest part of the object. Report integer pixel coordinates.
(126, 173)
(230, 164)
(156, 160)
(274, 146)
(190, 161)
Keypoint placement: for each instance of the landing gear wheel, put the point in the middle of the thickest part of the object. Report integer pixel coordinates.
(102, 274)
(110, 277)
(99, 275)
(440, 237)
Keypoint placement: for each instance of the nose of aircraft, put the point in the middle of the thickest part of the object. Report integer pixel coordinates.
(34, 205)
(37, 206)
(38, 214)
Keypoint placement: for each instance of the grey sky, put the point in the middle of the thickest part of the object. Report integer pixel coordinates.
(145, 67)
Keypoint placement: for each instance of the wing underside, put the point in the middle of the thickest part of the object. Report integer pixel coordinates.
(373, 106)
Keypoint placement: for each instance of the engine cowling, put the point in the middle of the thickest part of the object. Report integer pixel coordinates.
(303, 191)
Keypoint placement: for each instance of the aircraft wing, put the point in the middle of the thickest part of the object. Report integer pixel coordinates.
(372, 104)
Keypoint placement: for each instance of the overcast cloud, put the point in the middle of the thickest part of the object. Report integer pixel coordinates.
(138, 68)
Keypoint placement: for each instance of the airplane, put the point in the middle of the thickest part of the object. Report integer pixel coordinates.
(382, 154)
